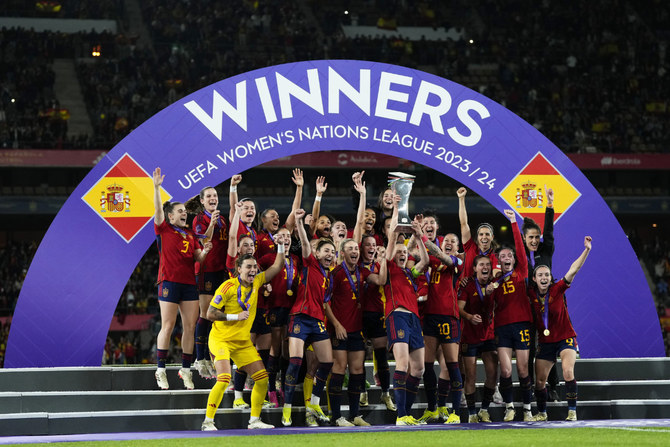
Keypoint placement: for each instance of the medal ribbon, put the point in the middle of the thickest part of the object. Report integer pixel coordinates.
(243, 304)
(354, 288)
(329, 288)
(545, 314)
(532, 258)
(288, 264)
(370, 267)
(251, 232)
(504, 277)
(479, 289)
(410, 278)
(219, 224)
(483, 253)
(179, 230)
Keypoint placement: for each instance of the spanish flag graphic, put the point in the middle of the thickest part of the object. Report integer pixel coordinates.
(527, 192)
(123, 197)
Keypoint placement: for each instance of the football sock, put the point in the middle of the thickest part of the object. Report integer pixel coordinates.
(456, 383)
(430, 385)
(216, 394)
(291, 378)
(355, 388)
(258, 392)
(506, 389)
(382, 368)
(335, 394)
(412, 387)
(571, 394)
(400, 391)
(161, 356)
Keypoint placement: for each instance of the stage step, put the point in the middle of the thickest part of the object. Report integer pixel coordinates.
(44, 423)
(121, 399)
(72, 401)
(139, 378)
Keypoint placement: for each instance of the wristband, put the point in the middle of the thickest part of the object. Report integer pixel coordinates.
(233, 188)
(415, 272)
(280, 249)
(456, 260)
(424, 238)
(317, 198)
(231, 317)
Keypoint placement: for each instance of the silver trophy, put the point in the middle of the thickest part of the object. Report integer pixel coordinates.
(401, 184)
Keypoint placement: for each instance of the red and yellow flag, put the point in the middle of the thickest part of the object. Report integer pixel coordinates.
(123, 197)
(527, 192)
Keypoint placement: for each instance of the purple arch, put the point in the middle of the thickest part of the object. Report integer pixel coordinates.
(82, 265)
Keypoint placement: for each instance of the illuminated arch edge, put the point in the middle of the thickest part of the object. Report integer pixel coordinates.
(81, 267)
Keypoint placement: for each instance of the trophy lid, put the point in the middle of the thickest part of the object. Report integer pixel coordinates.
(398, 175)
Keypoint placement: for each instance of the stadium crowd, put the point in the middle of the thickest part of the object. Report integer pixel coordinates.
(591, 78)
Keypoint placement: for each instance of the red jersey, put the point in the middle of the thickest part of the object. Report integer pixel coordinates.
(476, 333)
(346, 300)
(471, 251)
(230, 265)
(400, 290)
(442, 298)
(378, 239)
(511, 299)
(278, 296)
(176, 248)
(216, 258)
(373, 296)
(560, 326)
(314, 286)
(422, 282)
(265, 245)
(244, 230)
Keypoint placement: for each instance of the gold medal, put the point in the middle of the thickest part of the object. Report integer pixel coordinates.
(266, 293)
(495, 285)
(546, 332)
(289, 292)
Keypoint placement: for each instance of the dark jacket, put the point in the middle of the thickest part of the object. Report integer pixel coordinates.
(545, 249)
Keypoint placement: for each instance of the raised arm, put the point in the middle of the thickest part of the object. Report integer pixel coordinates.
(379, 279)
(232, 197)
(276, 266)
(299, 182)
(519, 247)
(159, 215)
(321, 187)
(359, 186)
(234, 228)
(579, 262)
(463, 215)
(423, 254)
(302, 234)
(391, 234)
(439, 254)
(548, 231)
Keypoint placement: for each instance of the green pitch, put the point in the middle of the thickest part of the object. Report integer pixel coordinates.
(504, 437)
